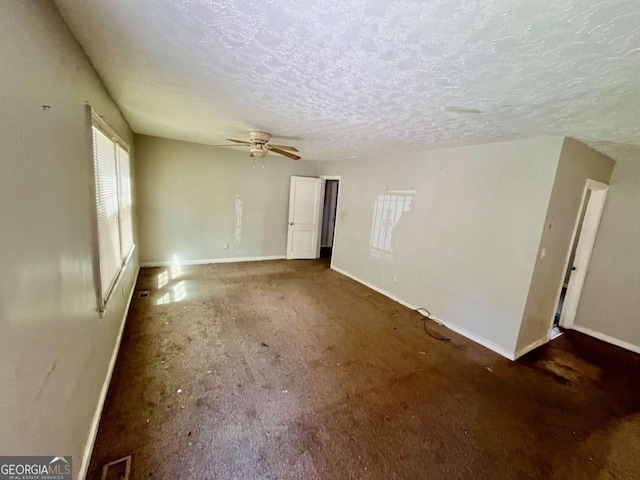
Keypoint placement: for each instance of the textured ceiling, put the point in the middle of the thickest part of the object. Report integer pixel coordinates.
(347, 78)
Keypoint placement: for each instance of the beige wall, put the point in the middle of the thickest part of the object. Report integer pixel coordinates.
(54, 348)
(467, 246)
(189, 196)
(610, 302)
(577, 164)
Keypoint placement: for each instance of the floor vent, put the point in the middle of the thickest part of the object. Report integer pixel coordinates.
(143, 293)
(118, 469)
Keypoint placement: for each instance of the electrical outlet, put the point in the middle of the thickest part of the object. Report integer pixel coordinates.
(225, 245)
(395, 278)
(543, 253)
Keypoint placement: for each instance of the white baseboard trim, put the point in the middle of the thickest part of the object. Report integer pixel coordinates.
(376, 288)
(451, 326)
(478, 339)
(93, 431)
(606, 338)
(208, 261)
(531, 346)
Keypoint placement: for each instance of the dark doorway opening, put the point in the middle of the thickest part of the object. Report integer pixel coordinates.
(329, 213)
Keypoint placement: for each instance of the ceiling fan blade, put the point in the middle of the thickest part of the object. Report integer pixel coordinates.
(285, 147)
(229, 145)
(239, 141)
(286, 154)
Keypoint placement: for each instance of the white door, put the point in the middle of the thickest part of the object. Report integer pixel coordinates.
(584, 249)
(304, 217)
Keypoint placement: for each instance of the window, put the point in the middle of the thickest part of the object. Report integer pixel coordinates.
(112, 174)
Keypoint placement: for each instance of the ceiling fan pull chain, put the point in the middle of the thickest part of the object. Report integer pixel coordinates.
(254, 162)
(262, 162)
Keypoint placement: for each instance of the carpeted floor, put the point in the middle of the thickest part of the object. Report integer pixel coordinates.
(287, 370)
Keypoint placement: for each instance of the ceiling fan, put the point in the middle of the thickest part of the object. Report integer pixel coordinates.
(260, 146)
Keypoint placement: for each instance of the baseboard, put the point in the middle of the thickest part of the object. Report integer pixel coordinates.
(451, 326)
(208, 261)
(478, 339)
(93, 432)
(374, 287)
(606, 338)
(531, 346)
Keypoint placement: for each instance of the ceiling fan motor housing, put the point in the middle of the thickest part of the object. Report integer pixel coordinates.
(259, 138)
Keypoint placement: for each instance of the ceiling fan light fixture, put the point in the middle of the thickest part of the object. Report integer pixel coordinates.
(258, 152)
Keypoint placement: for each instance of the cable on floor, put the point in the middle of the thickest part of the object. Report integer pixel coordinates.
(426, 316)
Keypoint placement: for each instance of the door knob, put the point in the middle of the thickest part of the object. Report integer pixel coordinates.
(573, 269)
(290, 223)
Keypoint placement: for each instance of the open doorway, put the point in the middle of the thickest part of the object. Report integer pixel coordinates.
(579, 255)
(313, 205)
(329, 212)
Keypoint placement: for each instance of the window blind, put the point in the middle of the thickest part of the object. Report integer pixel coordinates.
(124, 204)
(112, 171)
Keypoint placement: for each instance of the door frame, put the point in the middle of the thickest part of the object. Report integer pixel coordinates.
(323, 185)
(584, 250)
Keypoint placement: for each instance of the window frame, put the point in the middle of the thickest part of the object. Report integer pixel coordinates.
(94, 120)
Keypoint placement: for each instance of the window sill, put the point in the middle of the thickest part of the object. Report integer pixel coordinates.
(103, 308)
